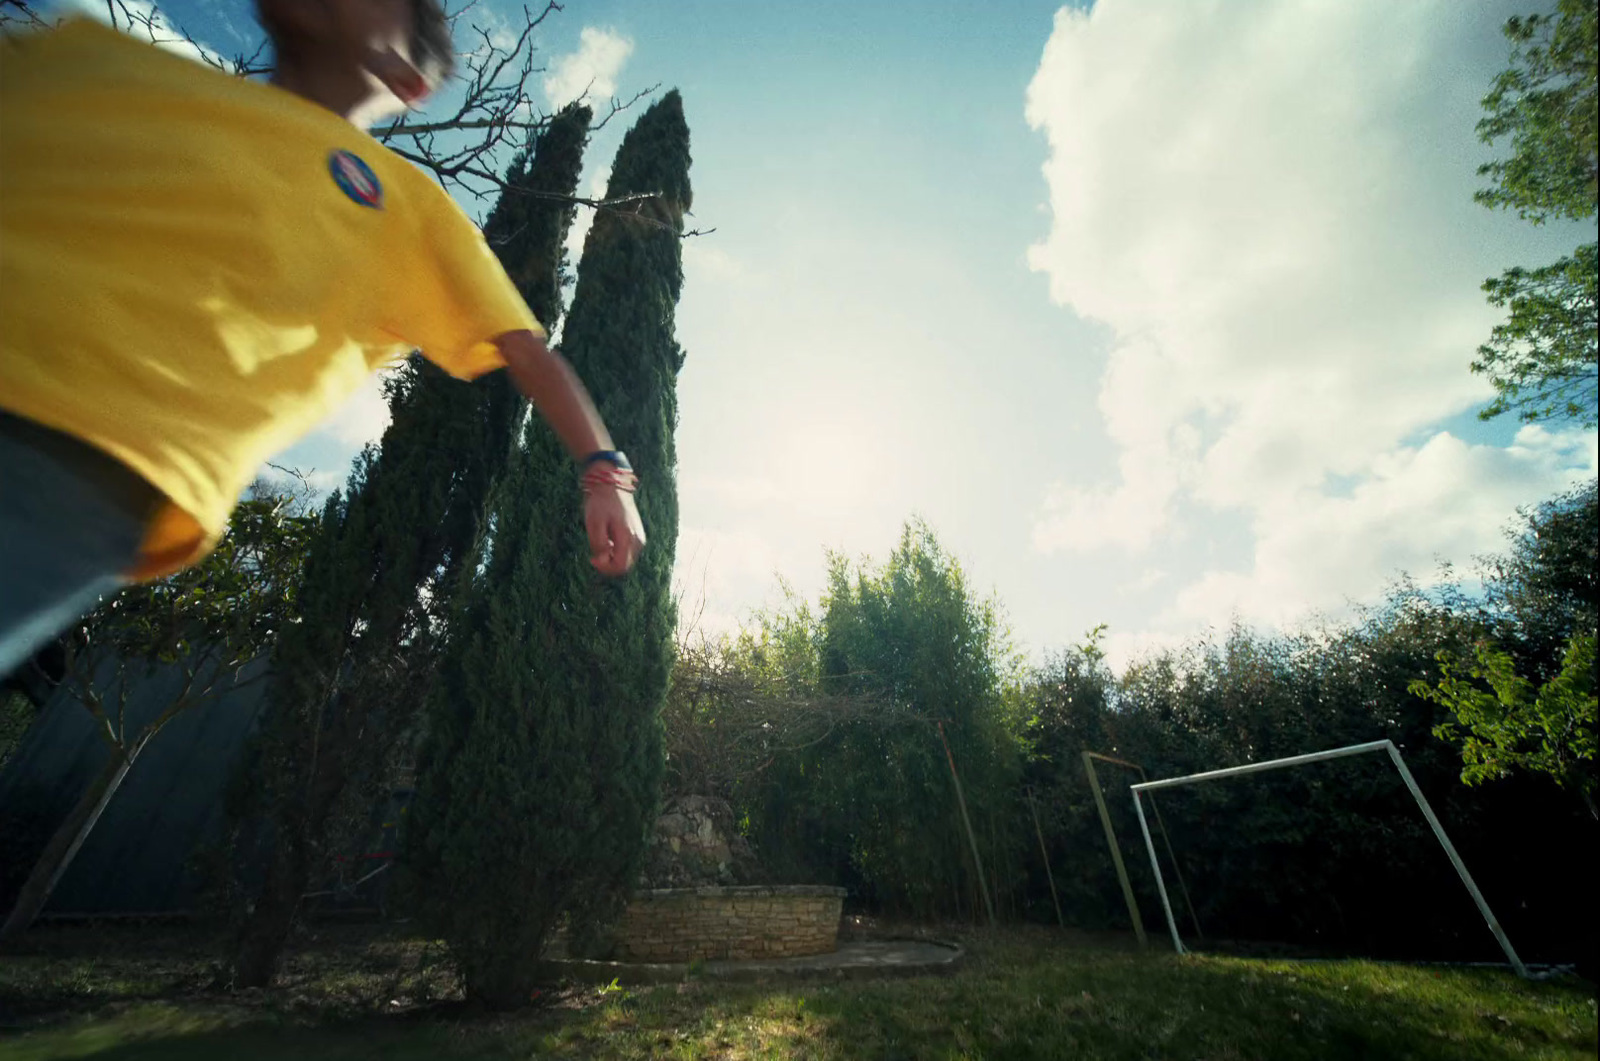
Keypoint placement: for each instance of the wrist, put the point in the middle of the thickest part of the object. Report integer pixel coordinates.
(604, 476)
(601, 457)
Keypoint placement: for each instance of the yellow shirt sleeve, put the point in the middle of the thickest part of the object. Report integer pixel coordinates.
(450, 296)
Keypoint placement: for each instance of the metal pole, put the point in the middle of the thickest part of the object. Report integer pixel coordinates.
(1044, 854)
(1166, 837)
(1177, 871)
(1455, 860)
(1313, 757)
(972, 838)
(1270, 764)
(1161, 885)
(1116, 852)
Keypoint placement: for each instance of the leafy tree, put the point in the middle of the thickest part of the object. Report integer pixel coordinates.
(1332, 855)
(1542, 360)
(351, 679)
(1545, 101)
(873, 804)
(211, 621)
(1524, 698)
(1546, 587)
(1548, 729)
(539, 778)
(731, 712)
(1067, 709)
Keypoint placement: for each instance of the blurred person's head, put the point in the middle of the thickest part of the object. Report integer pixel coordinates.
(367, 59)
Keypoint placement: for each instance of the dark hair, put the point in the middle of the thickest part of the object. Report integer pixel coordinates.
(432, 50)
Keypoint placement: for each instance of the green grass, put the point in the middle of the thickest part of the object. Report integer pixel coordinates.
(1023, 996)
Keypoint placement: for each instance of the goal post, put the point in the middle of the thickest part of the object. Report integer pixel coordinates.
(1313, 757)
(1089, 759)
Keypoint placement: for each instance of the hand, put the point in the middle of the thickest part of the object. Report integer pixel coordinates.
(616, 533)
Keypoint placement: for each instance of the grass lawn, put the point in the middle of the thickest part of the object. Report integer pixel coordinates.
(1022, 995)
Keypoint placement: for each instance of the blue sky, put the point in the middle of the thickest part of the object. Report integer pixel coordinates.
(1158, 311)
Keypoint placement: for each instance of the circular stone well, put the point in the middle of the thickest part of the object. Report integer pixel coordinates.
(729, 923)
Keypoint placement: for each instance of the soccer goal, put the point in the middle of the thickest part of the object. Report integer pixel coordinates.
(1315, 757)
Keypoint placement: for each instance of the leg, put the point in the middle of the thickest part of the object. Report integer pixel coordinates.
(70, 524)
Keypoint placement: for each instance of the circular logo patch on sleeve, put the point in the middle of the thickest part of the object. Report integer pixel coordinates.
(356, 179)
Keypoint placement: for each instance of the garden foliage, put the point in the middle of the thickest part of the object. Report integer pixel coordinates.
(539, 778)
(350, 680)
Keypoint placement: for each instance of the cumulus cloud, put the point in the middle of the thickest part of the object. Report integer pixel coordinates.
(501, 34)
(591, 70)
(1270, 205)
(363, 416)
(1442, 500)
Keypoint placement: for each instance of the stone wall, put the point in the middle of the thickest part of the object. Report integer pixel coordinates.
(696, 842)
(684, 924)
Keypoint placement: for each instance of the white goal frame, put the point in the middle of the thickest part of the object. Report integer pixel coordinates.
(1313, 757)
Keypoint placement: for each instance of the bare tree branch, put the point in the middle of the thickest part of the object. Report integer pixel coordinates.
(495, 110)
(727, 720)
(19, 14)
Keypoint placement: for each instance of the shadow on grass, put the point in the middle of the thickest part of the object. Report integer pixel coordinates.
(164, 1032)
(1022, 1001)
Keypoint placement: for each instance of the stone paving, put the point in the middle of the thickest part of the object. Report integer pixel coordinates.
(858, 959)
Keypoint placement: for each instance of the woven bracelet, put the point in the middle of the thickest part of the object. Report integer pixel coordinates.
(627, 482)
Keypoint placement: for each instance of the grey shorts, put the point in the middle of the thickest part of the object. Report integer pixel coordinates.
(71, 521)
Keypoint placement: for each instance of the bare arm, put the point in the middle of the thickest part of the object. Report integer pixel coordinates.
(555, 390)
(616, 533)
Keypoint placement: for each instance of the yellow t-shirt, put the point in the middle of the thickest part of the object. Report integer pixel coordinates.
(196, 268)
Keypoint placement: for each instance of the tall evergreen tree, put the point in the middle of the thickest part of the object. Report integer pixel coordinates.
(350, 680)
(539, 779)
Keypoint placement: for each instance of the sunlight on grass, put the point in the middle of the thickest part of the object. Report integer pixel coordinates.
(1019, 999)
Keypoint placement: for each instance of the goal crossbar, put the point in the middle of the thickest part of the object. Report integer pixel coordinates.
(1313, 757)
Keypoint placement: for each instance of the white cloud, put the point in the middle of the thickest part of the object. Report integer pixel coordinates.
(1443, 500)
(1147, 580)
(733, 492)
(717, 566)
(363, 416)
(591, 71)
(293, 480)
(712, 265)
(1123, 647)
(499, 29)
(1270, 205)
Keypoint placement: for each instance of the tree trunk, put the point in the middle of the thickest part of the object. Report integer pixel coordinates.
(66, 841)
(265, 934)
(300, 850)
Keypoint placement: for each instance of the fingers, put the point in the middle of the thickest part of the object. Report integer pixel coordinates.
(615, 536)
(602, 546)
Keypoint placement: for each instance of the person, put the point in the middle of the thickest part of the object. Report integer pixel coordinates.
(197, 268)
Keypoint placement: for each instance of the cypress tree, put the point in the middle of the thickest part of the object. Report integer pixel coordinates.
(539, 779)
(349, 681)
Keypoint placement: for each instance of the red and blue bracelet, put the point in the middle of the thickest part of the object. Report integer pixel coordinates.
(619, 475)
